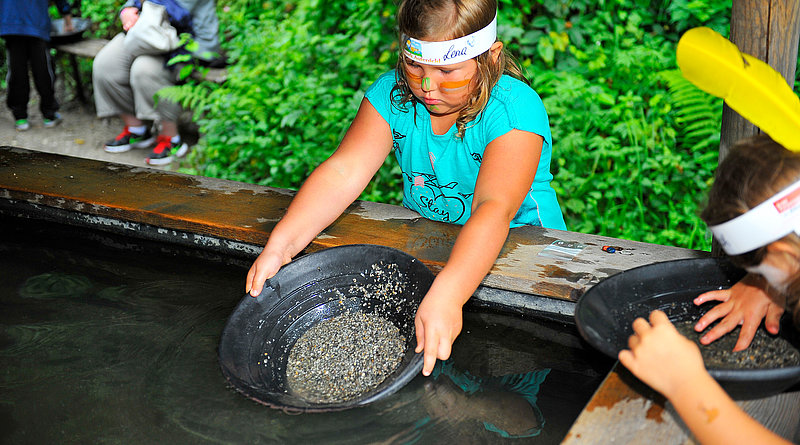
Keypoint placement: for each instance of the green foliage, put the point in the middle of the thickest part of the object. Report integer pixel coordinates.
(291, 94)
(697, 114)
(631, 159)
(104, 15)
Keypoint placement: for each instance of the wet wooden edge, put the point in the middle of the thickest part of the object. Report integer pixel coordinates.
(247, 213)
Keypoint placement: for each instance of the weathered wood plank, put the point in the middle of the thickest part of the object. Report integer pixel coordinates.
(247, 213)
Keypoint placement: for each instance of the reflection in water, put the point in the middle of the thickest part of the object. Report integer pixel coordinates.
(55, 285)
(103, 345)
(504, 405)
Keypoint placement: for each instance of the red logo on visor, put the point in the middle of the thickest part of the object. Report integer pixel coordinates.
(789, 201)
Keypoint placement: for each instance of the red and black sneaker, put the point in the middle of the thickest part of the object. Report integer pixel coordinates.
(127, 140)
(165, 149)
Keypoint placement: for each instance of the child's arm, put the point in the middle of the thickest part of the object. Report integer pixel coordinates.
(327, 192)
(506, 174)
(672, 365)
(65, 10)
(746, 303)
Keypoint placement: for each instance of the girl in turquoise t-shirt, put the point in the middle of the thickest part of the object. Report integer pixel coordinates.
(474, 145)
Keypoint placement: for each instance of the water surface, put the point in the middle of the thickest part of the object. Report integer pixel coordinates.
(106, 339)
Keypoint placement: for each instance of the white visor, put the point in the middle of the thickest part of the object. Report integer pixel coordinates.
(767, 222)
(451, 51)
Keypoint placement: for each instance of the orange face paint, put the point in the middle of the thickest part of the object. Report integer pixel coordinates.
(446, 87)
(452, 86)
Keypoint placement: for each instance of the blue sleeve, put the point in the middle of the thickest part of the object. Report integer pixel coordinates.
(517, 106)
(379, 95)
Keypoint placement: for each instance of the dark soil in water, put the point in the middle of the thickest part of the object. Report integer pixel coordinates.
(766, 351)
(340, 358)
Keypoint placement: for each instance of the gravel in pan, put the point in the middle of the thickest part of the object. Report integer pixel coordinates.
(767, 351)
(339, 359)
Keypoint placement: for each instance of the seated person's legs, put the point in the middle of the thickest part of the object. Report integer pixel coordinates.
(113, 95)
(148, 76)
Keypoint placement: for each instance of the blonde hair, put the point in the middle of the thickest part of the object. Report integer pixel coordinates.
(445, 20)
(754, 170)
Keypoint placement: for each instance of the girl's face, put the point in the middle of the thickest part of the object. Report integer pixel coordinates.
(443, 89)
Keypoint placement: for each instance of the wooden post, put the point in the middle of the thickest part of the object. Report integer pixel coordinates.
(768, 30)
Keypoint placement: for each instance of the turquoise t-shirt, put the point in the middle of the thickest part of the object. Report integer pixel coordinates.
(440, 171)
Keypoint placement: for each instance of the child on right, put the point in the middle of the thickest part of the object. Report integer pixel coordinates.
(754, 211)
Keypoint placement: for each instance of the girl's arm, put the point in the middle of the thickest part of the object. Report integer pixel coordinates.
(505, 177)
(327, 192)
(672, 365)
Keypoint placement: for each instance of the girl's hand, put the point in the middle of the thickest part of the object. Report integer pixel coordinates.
(438, 323)
(129, 16)
(264, 267)
(660, 356)
(746, 303)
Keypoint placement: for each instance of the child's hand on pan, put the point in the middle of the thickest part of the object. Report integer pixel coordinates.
(746, 303)
(438, 322)
(659, 355)
(264, 267)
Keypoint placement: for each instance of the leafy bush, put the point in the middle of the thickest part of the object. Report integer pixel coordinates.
(626, 162)
(104, 15)
(290, 96)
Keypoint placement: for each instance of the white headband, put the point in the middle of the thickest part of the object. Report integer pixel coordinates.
(452, 51)
(767, 222)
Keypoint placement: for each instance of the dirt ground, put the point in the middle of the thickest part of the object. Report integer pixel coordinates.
(81, 134)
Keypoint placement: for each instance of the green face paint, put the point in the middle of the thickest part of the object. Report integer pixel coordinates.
(426, 83)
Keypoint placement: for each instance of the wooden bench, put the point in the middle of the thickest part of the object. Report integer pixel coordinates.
(88, 48)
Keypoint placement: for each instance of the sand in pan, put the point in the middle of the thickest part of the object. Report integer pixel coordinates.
(767, 351)
(341, 358)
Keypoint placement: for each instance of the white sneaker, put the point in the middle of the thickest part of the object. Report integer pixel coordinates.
(50, 123)
(21, 125)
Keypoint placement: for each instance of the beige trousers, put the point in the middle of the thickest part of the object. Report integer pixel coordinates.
(126, 84)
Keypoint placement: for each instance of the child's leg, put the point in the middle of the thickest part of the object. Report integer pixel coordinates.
(18, 82)
(43, 76)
